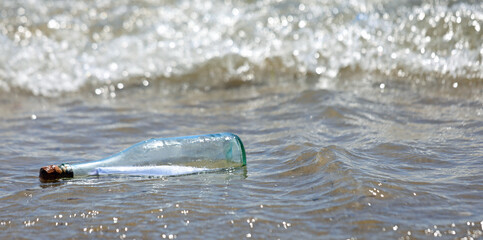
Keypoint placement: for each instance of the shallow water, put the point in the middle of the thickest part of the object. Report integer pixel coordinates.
(351, 129)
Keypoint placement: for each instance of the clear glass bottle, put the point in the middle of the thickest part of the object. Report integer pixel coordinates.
(211, 151)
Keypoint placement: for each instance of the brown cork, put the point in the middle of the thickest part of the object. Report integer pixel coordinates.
(53, 172)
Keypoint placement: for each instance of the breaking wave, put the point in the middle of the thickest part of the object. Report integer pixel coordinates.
(54, 47)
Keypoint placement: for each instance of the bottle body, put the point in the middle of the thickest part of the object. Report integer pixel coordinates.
(211, 151)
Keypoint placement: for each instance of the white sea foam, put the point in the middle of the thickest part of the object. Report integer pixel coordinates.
(53, 47)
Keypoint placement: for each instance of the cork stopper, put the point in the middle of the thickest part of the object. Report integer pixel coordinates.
(53, 173)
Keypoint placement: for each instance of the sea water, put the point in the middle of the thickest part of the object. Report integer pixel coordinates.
(361, 119)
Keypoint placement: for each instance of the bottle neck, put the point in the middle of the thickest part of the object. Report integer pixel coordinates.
(67, 171)
(88, 168)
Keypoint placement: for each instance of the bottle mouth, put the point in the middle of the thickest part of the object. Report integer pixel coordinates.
(53, 173)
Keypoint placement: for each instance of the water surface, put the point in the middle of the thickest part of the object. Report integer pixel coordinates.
(360, 120)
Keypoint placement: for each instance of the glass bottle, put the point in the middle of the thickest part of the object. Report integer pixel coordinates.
(203, 152)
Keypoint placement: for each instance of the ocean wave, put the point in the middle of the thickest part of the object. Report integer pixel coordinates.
(54, 47)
